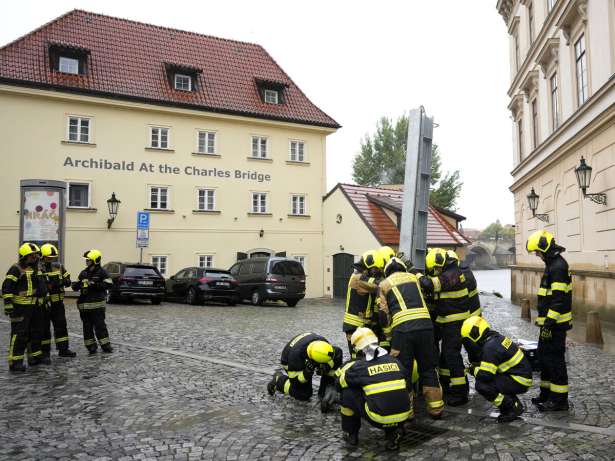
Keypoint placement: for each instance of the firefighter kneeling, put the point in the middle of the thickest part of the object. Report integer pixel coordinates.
(500, 367)
(374, 387)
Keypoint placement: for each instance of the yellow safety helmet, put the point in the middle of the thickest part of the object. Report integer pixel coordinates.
(452, 255)
(474, 328)
(28, 249)
(372, 259)
(49, 251)
(386, 253)
(362, 337)
(436, 257)
(93, 255)
(539, 241)
(320, 351)
(395, 265)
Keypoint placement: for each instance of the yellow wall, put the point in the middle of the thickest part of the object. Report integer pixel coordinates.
(33, 126)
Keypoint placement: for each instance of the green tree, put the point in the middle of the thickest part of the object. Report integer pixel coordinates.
(382, 160)
(495, 231)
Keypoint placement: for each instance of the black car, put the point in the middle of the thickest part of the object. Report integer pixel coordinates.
(134, 281)
(270, 279)
(195, 285)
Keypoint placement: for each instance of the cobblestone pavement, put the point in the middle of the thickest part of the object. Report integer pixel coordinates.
(188, 382)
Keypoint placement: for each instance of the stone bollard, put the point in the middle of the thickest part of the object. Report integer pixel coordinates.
(593, 330)
(526, 313)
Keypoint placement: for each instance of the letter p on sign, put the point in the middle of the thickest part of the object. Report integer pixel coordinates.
(142, 220)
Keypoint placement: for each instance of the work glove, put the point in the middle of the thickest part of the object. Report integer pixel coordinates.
(472, 368)
(8, 309)
(310, 366)
(545, 334)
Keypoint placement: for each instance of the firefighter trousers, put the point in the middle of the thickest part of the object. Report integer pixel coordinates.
(295, 388)
(452, 369)
(55, 315)
(353, 410)
(94, 327)
(36, 331)
(552, 357)
(21, 318)
(501, 385)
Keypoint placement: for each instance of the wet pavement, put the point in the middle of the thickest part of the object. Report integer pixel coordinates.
(188, 382)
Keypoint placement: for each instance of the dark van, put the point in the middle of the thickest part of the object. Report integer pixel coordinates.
(264, 279)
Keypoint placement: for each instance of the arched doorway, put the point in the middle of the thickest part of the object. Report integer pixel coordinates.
(342, 270)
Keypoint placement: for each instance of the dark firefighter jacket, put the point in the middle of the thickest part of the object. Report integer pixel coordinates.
(359, 301)
(93, 283)
(23, 285)
(555, 295)
(450, 294)
(471, 285)
(500, 355)
(295, 357)
(402, 302)
(385, 384)
(57, 279)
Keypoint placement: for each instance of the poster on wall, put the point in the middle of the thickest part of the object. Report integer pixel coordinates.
(41, 216)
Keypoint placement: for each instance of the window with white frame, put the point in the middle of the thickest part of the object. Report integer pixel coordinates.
(160, 263)
(259, 202)
(68, 65)
(206, 261)
(297, 151)
(159, 197)
(206, 142)
(79, 129)
(534, 106)
(183, 82)
(298, 204)
(271, 97)
(580, 57)
(531, 20)
(78, 194)
(554, 90)
(259, 147)
(159, 138)
(206, 199)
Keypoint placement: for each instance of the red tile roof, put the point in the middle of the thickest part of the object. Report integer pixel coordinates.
(127, 61)
(370, 202)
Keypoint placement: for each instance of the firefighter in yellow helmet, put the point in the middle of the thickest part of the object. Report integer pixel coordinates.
(302, 356)
(446, 283)
(57, 278)
(93, 283)
(555, 319)
(361, 293)
(403, 308)
(472, 286)
(374, 387)
(499, 366)
(386, 253)
(23, 290)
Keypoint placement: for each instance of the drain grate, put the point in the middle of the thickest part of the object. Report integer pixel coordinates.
(417, 434)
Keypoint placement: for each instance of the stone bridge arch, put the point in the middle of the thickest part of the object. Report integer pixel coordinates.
(480, 255)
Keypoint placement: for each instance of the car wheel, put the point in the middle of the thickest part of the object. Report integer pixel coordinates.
(292, 302)
(192, 297)
(156, 301)
(257, 299)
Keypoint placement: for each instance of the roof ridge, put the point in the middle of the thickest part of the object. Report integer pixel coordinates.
(373, 187)
(33, 31)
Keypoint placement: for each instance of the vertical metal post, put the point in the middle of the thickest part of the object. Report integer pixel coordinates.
(413, 235)
(141, 255)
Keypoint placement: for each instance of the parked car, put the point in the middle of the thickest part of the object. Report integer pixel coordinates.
(134, 281)
(273, 278)
(194, 285)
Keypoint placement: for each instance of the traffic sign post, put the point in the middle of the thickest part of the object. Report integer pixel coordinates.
(142, 232)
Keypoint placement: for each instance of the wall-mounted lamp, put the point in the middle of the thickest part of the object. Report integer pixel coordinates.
(584, 176)
(532, 200)
(114, 205)
(261, 233)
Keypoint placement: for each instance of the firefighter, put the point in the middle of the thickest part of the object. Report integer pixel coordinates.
(360, 294)
(501, 369)
(447, 285)
(93, 283)
(22, 290)
(57, 278)
(403, 308)
(301, 357)
(373, 387)
(386, 253)
(555, 319)
(471, 285)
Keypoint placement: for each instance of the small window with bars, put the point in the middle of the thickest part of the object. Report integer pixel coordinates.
(79, 129)
(271, 96)
(259, 202)
(183, 82)
(78, 195)
(206, 261)
(159, 198)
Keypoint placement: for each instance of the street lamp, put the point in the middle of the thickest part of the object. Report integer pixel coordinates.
(532, 200)
(584, 176)
(261, 233)
(114, 204)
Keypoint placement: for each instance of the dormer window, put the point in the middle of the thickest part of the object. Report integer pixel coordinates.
(68, 65)
(183, 82)
(270, 91)
(271, 97)
(68, 59)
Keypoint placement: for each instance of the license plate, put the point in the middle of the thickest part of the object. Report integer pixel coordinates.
(224, 284)
(279, 287)
(148, 283)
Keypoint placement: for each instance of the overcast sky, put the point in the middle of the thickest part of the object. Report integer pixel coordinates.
(359, 60)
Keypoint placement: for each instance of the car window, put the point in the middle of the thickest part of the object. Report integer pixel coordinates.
(258, 267)
(244, 269)
(140, 271)
(287, 268)
(216, 273)
(190, 274)
(180, 274)
(235, 269)
(112, 268)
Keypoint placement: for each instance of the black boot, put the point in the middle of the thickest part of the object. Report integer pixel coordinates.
(510, 409)
(107, 349)
(92, 350)
(393, 436)
(542, 397)
(17, 367)
(271, 384)
(35, 361)
(555, 404)
(351, 438)
(66, 353)
(455, 400)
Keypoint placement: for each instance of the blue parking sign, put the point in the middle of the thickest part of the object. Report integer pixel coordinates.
(142, 219)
